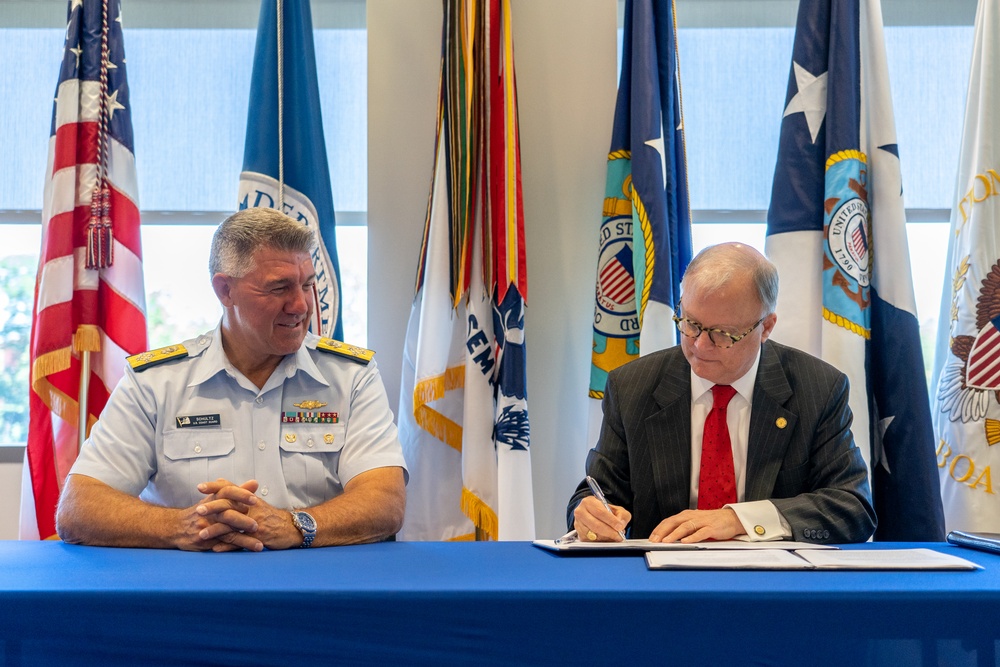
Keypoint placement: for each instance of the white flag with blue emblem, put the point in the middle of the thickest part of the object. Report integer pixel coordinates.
(967, 380)
(837, 232)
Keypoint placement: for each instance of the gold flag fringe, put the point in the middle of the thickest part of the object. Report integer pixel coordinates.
(87, 338)
(480, 513)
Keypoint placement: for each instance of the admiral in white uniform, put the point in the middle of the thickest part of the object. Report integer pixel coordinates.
(210, 444)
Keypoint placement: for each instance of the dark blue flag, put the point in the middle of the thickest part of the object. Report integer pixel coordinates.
(645, 240)
(288, 170)
(837, 231)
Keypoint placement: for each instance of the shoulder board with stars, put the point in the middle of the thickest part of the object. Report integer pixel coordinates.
(144, 360)
(353, 352)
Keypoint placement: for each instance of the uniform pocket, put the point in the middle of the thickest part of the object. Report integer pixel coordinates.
(180, 445)
(196, 456)
(310, 457)
(312, 438)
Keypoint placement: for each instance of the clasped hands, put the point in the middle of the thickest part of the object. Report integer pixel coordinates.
(231, 517)
(590, 518)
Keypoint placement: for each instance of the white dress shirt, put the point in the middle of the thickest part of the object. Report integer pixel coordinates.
(755, 516)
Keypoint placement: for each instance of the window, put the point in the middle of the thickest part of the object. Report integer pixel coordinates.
(189, 90)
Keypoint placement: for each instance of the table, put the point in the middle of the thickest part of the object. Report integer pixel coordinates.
(477, 603)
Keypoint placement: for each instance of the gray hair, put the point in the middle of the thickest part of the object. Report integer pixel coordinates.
(244, 232)
(719, 264)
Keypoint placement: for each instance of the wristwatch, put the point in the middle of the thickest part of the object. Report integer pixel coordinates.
(306, 525)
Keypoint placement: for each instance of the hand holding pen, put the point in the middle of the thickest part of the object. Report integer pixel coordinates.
(595, 488)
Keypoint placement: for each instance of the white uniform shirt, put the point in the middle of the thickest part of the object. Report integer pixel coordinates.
(757, 516)
(169, 427)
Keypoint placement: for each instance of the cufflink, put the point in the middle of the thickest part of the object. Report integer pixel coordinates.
(759, 529)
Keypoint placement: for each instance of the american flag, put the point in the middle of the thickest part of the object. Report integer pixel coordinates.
(77, 310)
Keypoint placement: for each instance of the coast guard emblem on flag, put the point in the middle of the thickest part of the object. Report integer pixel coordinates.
(847, 269)
(983, 368)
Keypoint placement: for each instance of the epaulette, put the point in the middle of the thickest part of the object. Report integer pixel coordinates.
(353, 352)
(144, 360)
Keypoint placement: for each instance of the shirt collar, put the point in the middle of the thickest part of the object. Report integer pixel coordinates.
(214, 360)
(743, 385)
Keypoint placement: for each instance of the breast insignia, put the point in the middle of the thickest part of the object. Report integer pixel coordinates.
(353, 352)
(142, 361)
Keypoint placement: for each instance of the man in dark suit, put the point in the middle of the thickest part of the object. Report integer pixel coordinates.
(677, 462)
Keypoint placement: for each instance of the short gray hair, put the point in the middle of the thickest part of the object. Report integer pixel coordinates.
(244, 232)
(719, 264)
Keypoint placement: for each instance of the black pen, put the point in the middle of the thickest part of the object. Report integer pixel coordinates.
(595, 488)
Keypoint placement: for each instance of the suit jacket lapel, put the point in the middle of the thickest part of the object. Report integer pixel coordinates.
(668, 434)
(771, 425)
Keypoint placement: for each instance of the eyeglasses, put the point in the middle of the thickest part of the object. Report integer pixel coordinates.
(719, 338)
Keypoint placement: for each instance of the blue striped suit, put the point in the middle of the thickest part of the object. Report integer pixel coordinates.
(810, 468)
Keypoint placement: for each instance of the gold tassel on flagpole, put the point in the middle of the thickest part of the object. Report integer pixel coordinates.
(87, 339)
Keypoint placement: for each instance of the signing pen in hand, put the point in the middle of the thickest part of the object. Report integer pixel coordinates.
(596, 490)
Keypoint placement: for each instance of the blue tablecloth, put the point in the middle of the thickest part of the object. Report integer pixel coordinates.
(477, 603)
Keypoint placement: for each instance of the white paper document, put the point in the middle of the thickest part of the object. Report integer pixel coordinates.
(807, 559)
(718, 559)
(570, 542)
(885, 559)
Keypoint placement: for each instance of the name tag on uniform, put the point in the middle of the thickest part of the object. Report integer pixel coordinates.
(198, 420)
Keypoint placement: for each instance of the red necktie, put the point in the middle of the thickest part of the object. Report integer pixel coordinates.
(717, 480)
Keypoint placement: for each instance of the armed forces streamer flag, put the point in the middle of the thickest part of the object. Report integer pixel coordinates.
(967, 409)
(89, 294)
(463, 415)
(837, 232)
(285, 167)
(645, 238)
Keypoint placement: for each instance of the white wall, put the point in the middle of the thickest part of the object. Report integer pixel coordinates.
(10, 492)
(565, 59)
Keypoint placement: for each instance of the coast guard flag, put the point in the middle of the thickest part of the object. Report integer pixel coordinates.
(967, 411)
(837, 232)
(645, 238)
(285, 167)
(90, 215)
(463, 412)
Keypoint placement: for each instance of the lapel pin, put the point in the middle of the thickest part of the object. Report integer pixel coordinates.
(781, 422)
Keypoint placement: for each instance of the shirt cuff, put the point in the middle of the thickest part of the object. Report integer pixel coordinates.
(761, 520)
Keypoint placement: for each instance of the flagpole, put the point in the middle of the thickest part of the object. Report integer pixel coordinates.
(84, 387)
(87, 339)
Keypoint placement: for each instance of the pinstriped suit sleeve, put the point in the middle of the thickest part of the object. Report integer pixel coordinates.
(608, 462)
(826, 496)
(643, 457)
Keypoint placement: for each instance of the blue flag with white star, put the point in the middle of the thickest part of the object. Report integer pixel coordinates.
(645, 238)
(285, 167)
(837, 232)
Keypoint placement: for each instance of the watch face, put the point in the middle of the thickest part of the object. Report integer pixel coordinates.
(305, 520)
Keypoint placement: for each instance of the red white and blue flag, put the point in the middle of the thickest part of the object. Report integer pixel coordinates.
(837, 232)
(90, 217)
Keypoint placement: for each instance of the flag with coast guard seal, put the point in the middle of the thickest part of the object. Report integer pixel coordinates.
(837, 232)
(967, 409)
(645, 237)
(90, 216)
(285, 166)
(463, 415)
